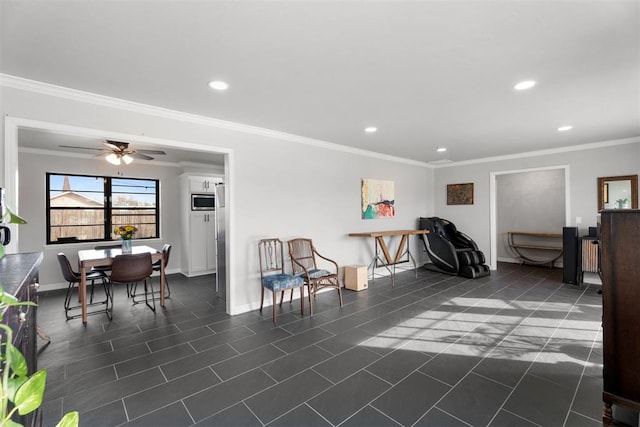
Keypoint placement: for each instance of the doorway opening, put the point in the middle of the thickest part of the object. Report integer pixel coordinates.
(529, 198)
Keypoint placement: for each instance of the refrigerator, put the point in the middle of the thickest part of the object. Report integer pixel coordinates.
(220, 236)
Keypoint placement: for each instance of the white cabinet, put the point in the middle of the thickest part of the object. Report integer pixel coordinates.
(202, 244)
(202, 184)
(198, 254)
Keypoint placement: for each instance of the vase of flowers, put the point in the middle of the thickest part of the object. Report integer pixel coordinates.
(126, 233)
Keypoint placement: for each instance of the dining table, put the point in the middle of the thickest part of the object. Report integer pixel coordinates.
(90, 258)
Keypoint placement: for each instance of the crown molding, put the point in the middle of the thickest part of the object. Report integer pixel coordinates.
(570, 148)
(34, 86)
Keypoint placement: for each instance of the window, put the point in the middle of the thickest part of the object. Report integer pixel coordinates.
(83, 208)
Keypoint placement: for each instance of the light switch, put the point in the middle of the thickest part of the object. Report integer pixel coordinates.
(578, 220)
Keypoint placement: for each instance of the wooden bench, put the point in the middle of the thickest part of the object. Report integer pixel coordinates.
(535, 243)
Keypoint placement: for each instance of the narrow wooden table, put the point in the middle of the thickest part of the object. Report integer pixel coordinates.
(103, 258)
(388, 260)
(536, 242)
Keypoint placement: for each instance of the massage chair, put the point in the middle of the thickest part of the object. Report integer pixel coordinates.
(451, 251)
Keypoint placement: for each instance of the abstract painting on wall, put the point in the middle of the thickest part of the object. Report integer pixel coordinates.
(460, 194)
(378, 199)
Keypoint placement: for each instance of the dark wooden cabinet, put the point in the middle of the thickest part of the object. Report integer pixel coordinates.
(19, 277)
(620, 267)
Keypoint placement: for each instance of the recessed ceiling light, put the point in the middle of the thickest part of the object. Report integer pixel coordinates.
(370, 129)
(441, 149)
(564, 128)
(218, 85)
(527, 84)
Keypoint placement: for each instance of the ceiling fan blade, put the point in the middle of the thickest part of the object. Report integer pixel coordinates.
(79, 148)
(116, 145)
(137, 155)
(159, 152)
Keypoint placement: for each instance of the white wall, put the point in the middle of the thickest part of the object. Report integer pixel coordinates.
(585, 166)
(278, 186)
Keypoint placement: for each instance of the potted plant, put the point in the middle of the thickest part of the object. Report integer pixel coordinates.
(24, 392)
(622, 203)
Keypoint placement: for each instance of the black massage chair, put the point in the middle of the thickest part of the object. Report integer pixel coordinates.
(451, 251)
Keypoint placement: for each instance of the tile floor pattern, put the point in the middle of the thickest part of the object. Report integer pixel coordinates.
(517, 348)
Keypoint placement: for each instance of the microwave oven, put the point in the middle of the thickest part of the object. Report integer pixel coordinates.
(203, 202)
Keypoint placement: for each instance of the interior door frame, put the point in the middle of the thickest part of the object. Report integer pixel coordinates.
(493, 204)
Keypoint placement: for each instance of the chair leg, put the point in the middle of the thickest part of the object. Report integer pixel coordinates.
(108, 290)
(310, 287)
(67, 300)
(92, 286)
(146, 294)
(262, 300)
(168, 290)
(274, 306)
(301, 300)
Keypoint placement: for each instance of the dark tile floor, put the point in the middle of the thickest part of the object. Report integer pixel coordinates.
(517, 348)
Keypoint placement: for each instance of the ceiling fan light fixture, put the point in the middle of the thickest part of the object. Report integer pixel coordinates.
(127, 159)
(113, 159)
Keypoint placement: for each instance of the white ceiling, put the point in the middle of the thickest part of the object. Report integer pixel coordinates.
(425, 73)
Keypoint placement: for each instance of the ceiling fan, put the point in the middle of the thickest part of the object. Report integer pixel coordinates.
(117, 152)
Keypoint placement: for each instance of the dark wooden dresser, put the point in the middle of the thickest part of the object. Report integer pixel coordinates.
(620, 245)
(19, 277)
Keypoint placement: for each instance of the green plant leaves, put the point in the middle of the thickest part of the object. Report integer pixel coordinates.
(13, 218)
(18, 362)
(29, 396)
(70, 419)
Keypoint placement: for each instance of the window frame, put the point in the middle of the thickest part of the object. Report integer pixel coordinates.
(107, 207)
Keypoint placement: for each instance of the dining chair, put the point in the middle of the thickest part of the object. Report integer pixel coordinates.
(304, 263)
(107, 268)
(73, 277)
(157, 267)
(272, 275)
(133, 268)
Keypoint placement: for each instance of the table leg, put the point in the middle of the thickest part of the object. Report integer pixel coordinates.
(400, 251)
(83, 293)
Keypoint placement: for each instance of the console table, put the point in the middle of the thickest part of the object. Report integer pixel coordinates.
(528, 240)
(385, 259)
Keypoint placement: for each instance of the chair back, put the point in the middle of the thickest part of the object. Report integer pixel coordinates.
(302, 255)
(166, 252)
(67, 272)
(271, 256)
(131, 268)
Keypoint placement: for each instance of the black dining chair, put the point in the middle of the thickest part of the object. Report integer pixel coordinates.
(133, 268)
(107, 268)
(73, 278)
(157, 267)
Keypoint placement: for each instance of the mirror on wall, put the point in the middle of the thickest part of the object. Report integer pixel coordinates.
(618, 192)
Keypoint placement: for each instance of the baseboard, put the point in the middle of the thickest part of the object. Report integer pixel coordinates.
(557, 264)
(63, 285)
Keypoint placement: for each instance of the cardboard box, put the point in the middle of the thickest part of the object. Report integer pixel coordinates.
(356, 277)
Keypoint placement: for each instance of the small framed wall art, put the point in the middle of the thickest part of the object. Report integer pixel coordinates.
(460, 194)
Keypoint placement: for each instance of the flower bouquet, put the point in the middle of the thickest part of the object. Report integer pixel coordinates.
(126, 233)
